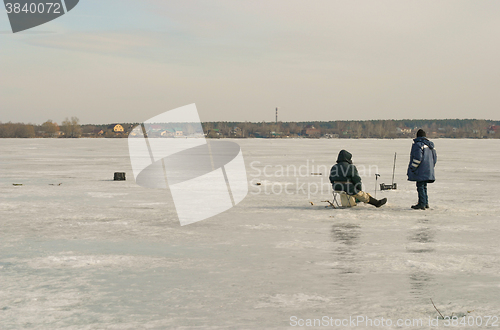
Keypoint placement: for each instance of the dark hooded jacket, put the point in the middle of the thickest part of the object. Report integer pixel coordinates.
(423, 158)
(344, 175)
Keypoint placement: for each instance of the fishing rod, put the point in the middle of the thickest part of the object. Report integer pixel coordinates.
(394, 168)
(392, 186)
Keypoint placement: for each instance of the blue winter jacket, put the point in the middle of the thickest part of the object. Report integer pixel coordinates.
(423, 158)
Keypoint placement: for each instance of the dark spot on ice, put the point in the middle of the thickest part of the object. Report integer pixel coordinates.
(419, 281)
(421, 235)
(346, 233)
(420, 250)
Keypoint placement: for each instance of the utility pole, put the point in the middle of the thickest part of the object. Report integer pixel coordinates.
(276, 115)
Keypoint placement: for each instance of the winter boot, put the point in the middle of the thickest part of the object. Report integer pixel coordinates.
(377, 202)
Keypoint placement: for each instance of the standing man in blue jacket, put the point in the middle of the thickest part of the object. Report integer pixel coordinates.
(423, 158)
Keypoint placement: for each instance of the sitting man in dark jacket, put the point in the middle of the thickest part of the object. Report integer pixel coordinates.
(344, 177)
(423, 158)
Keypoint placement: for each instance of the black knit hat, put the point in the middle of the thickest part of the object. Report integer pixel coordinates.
(420, 133)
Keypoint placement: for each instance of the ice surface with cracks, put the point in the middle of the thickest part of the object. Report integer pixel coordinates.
(93, 253)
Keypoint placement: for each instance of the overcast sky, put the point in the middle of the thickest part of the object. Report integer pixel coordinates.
(126, 61)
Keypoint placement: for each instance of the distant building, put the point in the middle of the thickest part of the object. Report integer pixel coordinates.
(117, 128)
(158, 131)
(403, 130)
(310, 130)
(493, 129)
(213, 133)
(331, 136)
(169, 132)
(258, 135)
(236, 131)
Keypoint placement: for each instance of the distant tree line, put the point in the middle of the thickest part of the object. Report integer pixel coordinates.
(381, 129)
(17, 130)
(68, 128)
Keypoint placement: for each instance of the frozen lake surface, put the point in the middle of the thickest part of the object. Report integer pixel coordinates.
(92, 253)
